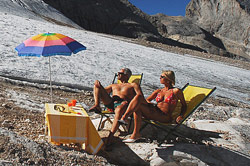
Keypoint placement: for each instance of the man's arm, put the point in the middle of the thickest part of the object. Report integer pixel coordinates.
(137, 89)
(109, 88)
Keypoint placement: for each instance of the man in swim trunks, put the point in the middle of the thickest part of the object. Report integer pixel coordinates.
(125, 96)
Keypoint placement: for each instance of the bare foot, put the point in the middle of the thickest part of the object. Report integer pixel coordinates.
(135, 136)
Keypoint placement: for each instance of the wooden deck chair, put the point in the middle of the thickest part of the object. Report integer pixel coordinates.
(135, 78)
(194, 97)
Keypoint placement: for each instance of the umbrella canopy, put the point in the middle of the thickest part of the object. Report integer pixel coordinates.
(49, 44)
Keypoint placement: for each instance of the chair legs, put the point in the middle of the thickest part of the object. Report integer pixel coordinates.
(99, 126)
(102, 123)
(165, 129)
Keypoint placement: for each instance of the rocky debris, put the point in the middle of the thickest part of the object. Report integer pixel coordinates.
(234, 62)
(189, 154)
(22, 139)
(217, 139)
(215, 147)
(19, 150)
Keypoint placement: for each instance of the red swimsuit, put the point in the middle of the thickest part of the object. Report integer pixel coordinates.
(170, 99)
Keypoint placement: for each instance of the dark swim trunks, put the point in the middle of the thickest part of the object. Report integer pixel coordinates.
(116, 101)
(154, 106)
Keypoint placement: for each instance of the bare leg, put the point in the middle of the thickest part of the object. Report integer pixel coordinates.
(137, 125)
(100, 93)
(149, 112)
(119, 111)
(133, 106)
(118, 114)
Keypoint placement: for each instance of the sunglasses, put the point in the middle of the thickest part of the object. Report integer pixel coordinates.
(162, 77)
(59, 108)
(120, 73)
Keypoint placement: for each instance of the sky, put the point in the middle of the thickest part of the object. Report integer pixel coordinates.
(168, 7)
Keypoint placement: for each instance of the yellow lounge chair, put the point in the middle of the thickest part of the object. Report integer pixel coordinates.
(194, 97)
(135, 78)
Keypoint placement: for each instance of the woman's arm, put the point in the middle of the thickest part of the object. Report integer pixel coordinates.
(153, 95)
(180, 96)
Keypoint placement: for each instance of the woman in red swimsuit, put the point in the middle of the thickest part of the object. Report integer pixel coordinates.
(166, 99)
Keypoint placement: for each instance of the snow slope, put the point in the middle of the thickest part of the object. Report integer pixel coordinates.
(34, 9)
(105, 56)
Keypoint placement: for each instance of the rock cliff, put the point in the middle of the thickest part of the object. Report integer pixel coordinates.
(184, 30)
(228, 20)
(116, 17)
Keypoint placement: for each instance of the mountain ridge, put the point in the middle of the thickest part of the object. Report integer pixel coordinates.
(120, 17)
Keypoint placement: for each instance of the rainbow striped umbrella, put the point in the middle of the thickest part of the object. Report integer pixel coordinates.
(49, 44)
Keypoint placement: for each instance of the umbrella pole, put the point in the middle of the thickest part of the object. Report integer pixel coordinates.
(50, 81)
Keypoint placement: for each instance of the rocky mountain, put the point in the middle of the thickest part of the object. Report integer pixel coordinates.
(117, 17)
(227, 20)
(204, 29)
(184, 30)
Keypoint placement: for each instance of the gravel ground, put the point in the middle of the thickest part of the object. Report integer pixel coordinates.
(23, 141)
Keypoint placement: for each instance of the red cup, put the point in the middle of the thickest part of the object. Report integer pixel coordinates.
(73, 102)
(69, 104)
